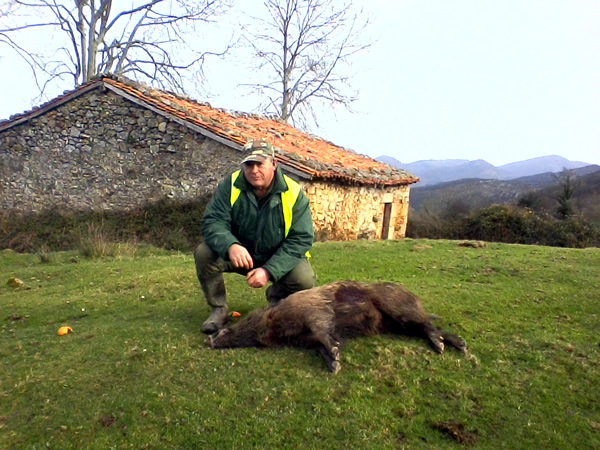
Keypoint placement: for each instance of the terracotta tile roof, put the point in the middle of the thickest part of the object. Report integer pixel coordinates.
(309, 155)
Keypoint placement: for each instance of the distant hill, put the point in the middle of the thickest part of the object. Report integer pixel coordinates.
(536, 166)
(432, 172)
(480, 193)
(549, 178)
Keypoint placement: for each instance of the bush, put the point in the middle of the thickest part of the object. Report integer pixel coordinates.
(502, 223)
(168, 224)
(426, 225)
(573, 232)
(508, 224)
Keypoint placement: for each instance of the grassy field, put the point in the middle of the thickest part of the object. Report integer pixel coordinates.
(136, 373)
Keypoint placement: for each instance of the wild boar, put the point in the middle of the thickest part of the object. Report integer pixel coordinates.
(322, 317)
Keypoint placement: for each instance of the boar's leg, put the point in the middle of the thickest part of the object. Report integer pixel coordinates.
(406, 315)
(328, 346)
(331, 357)
(438, 337)
(434, 334)
(455, 341)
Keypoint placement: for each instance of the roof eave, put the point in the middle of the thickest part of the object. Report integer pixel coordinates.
(392, 182)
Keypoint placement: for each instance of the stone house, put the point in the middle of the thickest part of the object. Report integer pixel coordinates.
(116, 144)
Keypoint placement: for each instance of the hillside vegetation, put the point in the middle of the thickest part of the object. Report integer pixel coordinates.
(529, 214)
(172, 225)
(562, 210)
(136, 373)
(480, 193)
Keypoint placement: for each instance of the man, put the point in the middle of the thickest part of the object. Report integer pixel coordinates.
(258, 224)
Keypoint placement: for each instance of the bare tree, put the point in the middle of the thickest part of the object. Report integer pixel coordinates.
(5, 7)
(303, 50)
(146, 40)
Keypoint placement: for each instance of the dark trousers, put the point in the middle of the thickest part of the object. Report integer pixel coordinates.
(210, 268)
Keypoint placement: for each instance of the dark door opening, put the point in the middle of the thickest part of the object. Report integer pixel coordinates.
(387, 214)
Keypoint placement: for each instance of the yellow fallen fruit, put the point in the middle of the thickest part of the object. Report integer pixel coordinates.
(64, 330)
(14, 283)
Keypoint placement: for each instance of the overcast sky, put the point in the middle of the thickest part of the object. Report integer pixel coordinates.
(502, 81)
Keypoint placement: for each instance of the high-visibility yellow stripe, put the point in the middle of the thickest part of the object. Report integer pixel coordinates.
(235, 192)
(288, 198)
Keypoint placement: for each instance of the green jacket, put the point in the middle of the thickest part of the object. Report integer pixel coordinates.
(260, 229)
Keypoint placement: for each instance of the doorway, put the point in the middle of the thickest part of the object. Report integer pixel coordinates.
(387, 214)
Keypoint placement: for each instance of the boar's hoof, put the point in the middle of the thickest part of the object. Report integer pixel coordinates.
(438, 344)
(335, 352)
(335, 367)
(456, 341)
(217, 340)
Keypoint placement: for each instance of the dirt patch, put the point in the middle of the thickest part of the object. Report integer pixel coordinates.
(107, 420)
(457, 432)
(472, 244)
(422, 247)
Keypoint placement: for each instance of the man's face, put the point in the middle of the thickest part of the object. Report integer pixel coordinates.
(260, 174)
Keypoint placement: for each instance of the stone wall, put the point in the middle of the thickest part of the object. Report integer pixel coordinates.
(343, 212)
(101, 151)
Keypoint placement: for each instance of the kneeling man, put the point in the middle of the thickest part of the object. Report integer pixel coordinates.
(258, 224)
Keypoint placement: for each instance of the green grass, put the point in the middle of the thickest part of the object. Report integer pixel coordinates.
(136, 373)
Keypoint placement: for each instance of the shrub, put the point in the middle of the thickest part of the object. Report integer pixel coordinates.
(502, 223)
(425, 225)
(166, 223)
(574, 232)
(508, 224)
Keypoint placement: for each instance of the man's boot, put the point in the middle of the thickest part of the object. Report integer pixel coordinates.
(216, 320)
(274, 294)
(210, 275)
(214, 291)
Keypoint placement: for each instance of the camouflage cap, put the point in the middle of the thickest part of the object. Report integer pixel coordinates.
(258, 151)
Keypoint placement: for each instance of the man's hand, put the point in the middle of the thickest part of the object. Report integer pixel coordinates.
(240, 257)
(257, 278)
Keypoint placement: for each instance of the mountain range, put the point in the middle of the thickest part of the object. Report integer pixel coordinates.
(432, 172)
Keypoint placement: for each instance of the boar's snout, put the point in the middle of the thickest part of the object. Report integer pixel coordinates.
(213, 339)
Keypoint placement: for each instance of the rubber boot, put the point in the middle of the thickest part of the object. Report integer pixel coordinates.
(274, 294)
(213, 287)
(210, 274)
(216, 320)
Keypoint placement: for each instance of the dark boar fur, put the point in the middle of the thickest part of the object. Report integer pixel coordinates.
(323, 316)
